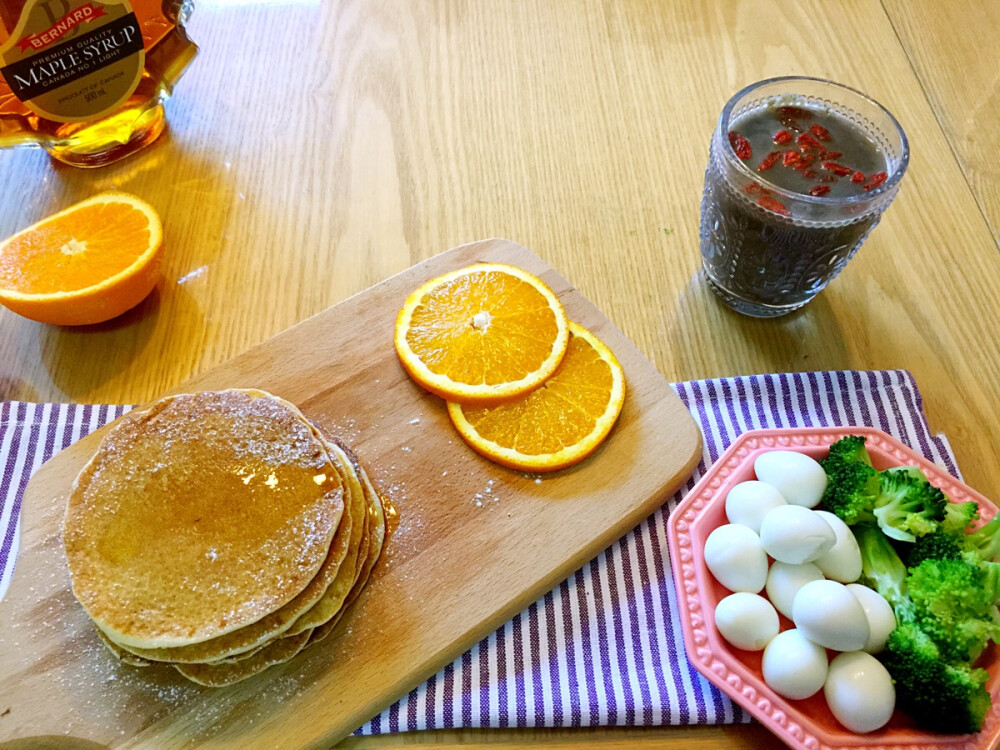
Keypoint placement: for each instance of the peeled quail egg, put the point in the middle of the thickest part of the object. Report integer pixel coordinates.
(859, 691)
(881, 618)
(795, 535)
(799, 478)
(747, 621)
(747, 502)
(784, 582)
(734, 556)
(842, 562)
(830, 615)
(794, 666)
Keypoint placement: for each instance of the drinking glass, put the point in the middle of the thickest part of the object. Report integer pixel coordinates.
(768, 250)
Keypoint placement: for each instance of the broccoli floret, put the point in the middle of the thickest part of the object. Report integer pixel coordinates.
(959, 516)
(985, 541)
(944, 697)
(851, 490)
(883, 570)
(908, 505)
(901, 500)
(954, 607)
(991, 578)
(909, 469)
(977, 549)
(936, 546)
(850, 449)
(945, 598)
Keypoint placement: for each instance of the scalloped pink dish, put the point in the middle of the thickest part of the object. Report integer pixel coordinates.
(803, 723)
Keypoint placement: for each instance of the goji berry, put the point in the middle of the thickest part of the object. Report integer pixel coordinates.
(751, 188)
(790, 158)
(782, 136)
(819, 190)
(837, 169)
(769, 161)
(790, 116)
(819, 131)
(773, 204)
(806, 142)
(796, 112)
(832, 155)
(809, 174)
(858, 177)
(877, 179)
(740, 145)
(804, 161)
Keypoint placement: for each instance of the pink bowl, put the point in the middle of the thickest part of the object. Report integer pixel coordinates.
(803, 723)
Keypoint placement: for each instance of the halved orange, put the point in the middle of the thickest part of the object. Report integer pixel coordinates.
(86, 264)
(558, 424)
(485, 333)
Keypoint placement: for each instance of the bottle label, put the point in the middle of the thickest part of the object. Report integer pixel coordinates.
(74, 60)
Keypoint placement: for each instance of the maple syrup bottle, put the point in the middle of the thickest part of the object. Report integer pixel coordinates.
(86, 79)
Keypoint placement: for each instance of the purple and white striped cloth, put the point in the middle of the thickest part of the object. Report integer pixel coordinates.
(604, 648)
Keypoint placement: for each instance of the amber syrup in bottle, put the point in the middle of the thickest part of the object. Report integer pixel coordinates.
(87, 79)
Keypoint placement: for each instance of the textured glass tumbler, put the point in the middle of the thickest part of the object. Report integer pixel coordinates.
(766, 250)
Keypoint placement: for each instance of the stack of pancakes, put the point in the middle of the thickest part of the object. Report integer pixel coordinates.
(220, 532)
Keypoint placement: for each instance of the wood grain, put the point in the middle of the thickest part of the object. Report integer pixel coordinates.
(456, 568)
(741, 737)
(577, 128)
(958, 65)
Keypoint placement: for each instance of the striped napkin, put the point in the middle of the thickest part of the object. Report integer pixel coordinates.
(604, 648)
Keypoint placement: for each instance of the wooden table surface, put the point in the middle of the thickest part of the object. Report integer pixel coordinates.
(319, 146)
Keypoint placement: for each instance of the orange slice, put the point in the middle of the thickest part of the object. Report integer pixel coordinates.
(85, 264)
(485, 333)
(558, 424)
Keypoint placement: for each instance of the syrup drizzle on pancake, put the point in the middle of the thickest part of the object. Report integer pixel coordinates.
(263, 531)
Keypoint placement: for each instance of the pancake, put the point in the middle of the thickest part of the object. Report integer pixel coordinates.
(240, 478)
(334, 597)
(377, 514)
(347, 573)
(328, 611)
(332, 583)
(124, 656)
(219, 675)
(341, 562)
(259, 633)
(377, 510)
(199, 516)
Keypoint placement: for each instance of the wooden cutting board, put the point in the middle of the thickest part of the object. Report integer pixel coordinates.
(476, 543)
